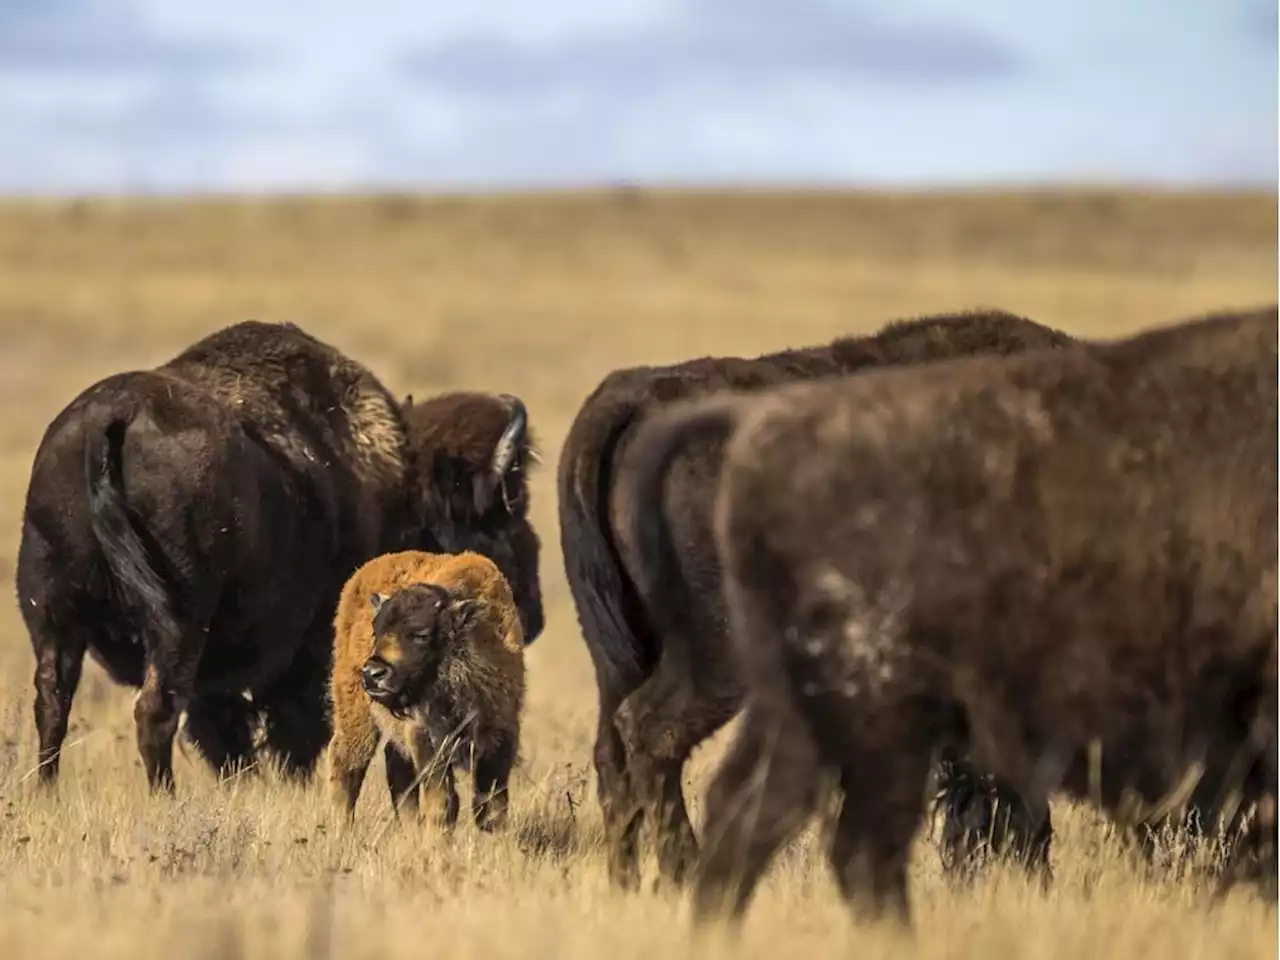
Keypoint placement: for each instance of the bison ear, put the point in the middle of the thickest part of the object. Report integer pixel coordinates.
(463, 613)
(376, 601)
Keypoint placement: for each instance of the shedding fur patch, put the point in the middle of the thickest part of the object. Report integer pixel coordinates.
(867, 650)
(378, 432)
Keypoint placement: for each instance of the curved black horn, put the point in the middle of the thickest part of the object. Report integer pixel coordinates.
(504, 451)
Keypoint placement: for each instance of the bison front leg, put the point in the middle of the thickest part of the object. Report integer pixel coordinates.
(293, 707)
(58, 665)
(402, 779)
(763, 793)
(221, 727)
(436, 785)
(491, 796)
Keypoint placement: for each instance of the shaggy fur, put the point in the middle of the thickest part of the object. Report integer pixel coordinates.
(428, 655)
(473, 453)
(663, 672)
(191, 526)
(1070, 556)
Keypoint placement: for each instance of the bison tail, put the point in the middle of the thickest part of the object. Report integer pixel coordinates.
(658, 443)
(141, 586)
(613, 627)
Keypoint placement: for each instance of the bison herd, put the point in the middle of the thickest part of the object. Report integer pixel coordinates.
(967, 550)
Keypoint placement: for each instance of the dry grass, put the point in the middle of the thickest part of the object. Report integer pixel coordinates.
(540, 296)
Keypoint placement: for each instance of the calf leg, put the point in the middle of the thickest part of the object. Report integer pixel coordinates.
(491, 797)
(221, 727)
(765, 790)
(436, 785)
(353, 742)
(59, 661)
(661, 724)
(400, 778)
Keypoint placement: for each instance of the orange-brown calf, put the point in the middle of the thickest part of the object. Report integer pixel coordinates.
(428, 656)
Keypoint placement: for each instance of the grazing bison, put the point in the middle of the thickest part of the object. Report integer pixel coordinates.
(191, 527)
(428, 654)
(663, 672)
(1068, 555)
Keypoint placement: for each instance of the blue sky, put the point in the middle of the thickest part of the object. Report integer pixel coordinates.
(246, 95)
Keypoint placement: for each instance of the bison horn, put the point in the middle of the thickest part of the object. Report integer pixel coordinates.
(504, 451)
(376, 601)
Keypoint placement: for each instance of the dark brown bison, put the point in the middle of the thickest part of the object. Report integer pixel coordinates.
(191, 528)
(663, 672)
(1069, 556)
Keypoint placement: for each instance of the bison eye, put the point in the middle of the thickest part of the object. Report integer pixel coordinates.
(423, 637)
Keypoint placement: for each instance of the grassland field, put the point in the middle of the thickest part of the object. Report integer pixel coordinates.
(540, 296)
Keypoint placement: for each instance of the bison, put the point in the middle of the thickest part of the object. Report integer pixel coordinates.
(191, 526)
(428, 655)
(1069, 556)
(664, 676)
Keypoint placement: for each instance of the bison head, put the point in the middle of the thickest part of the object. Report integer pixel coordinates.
(472, 453)
(414, 631)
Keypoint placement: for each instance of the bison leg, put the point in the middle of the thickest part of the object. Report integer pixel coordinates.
(983, 818)
(59, 661)
(883, 794)
(436, 785)
(661, 724)
(221, 727)
(164, 694)
(401, 778)
(491, 797)
(295, 714)
(621, 822)
(765, 790)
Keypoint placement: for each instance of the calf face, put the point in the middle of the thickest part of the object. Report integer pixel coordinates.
(414, 630)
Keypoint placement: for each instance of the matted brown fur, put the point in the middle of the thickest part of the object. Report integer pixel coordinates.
(473, 453)
(650, 604)
(482, 677)
(1055, 553)
(191, 526)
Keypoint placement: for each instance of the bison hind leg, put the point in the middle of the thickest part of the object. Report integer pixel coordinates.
(881, 809)
(660, 724)
(763, 793)
(984, 820)
(59, 662)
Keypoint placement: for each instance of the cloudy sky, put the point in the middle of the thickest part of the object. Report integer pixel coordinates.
(216, 95)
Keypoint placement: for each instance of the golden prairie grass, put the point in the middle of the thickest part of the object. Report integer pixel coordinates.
(540, 296)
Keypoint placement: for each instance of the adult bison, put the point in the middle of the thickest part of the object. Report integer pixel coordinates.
(664, 677)
(191, 527)
(1068, 555)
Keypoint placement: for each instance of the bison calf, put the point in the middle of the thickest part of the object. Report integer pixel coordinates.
(1068, 556)
(428, 654)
